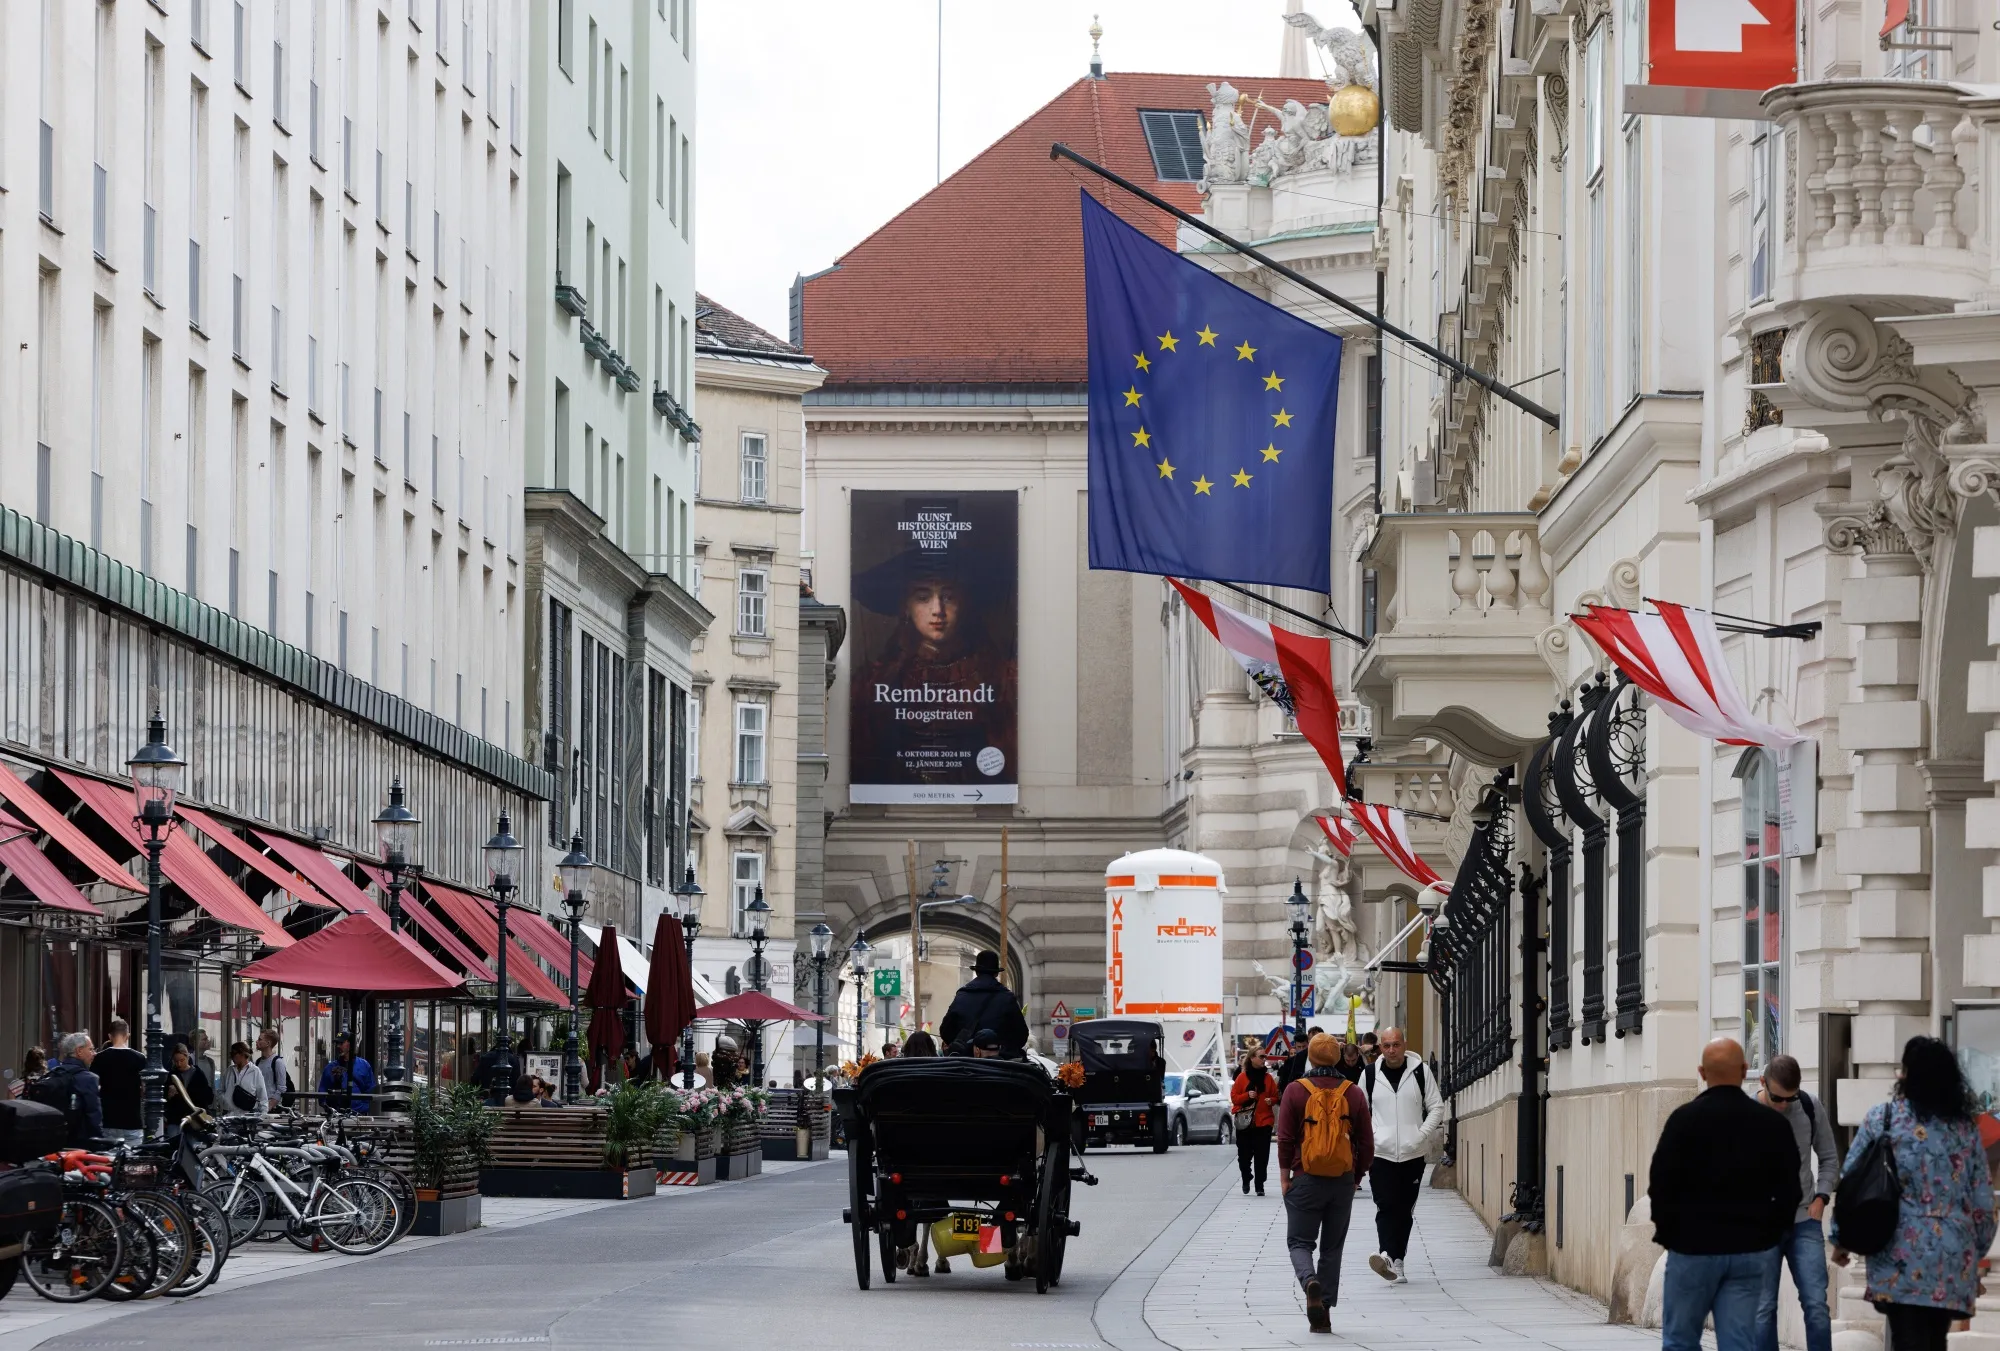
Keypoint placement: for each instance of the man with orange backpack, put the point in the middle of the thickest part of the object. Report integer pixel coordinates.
(1325, 1146)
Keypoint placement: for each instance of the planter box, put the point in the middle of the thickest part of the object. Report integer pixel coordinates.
(448, 1215)
(673, 1171)
(580, 1184)
(787, 1147)
(708, 1143)
(736, 1167)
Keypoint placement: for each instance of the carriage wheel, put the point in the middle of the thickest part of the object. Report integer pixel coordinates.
(888, 1254)
(1052, 1217)
(857, 1207)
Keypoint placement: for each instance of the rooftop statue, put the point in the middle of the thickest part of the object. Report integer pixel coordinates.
(1225, 146)
(1352, 57)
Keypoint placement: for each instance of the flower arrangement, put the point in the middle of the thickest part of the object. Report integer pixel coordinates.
(1070, 1072)
(852, 1068)
(701, 1107)
(747, 1106)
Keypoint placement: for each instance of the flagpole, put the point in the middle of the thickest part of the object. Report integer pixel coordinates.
(1450, 363)
(1296, 614)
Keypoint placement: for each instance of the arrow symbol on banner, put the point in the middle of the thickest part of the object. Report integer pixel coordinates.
(1713, 25)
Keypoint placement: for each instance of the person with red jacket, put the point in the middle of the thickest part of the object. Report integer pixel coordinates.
(1255, 1091)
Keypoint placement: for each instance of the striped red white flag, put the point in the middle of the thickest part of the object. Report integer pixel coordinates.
(1339, 833)
(1390, 830)
(1676, 656)
(1294, 670)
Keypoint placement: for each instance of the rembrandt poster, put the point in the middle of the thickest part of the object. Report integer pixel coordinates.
(932, 705)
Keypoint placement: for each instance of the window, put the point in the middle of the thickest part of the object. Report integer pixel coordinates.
(555, 734)
(1763, 909)
(565, 34)
(1763, 187)
(754, 462)
(1907, 54)
(746, 883)
(750, 728)
(1175, 140)
(752, 591)
(1634, 228)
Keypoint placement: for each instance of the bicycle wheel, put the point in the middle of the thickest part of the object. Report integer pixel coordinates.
(400, 1187)
(243, 1203)
(136, 1279)
(356, 1217)
(78, 1257)
(175, 1236)
(213, 1249)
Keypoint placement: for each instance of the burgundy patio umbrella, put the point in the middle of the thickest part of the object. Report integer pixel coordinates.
(605, 996)
(669, 995)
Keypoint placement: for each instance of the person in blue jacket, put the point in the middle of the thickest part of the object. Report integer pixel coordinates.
(348, 1081)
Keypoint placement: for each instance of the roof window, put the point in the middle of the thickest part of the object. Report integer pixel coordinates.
(1175, 141)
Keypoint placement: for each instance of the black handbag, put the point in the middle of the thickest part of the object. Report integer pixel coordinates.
(242, 1098)
(30, 1129)
(1868, 1201)
(31, 1199)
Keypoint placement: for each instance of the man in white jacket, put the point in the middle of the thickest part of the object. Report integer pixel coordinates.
(1408, 1115)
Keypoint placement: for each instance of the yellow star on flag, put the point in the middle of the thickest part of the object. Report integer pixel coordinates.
(1168, 342)
(1144, 364)
(1132, 396)
(1142, 437)
(1274, 381)
(1241, 478)
(1166, 469)
(1282, 418)
(1207, 336)
(1271, 452)
(1245, 351)
(1202, 485)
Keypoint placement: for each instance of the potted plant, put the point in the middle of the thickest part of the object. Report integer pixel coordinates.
(450, 1132)
(634, 1112)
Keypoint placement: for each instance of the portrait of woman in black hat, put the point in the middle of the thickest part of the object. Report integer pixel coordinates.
(933, 699)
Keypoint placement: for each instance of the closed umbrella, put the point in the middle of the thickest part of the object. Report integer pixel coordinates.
(669, 994)
(605, 996)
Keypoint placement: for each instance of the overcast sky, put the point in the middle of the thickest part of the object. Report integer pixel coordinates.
(817, 118)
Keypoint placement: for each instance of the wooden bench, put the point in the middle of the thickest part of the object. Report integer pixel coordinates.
(541, 1151)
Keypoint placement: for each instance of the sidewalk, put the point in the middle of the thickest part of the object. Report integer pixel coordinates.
(1232, 1287)
(27, 1320)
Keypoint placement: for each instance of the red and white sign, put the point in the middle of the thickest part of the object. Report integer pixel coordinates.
(1163, 935)
(1715, 58)
(1059, 1021)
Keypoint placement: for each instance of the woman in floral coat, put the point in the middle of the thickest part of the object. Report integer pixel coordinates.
(1928, 1276)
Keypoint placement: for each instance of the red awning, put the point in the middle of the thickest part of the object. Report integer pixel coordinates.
(37, 871)
(183, 862)
(536, 931)
(479, 918)
(325, 874)
(1895, 14)
(291, 883)
(354, 953)
(63, 831)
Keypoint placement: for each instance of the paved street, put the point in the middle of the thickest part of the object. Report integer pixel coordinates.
(1171, 1256)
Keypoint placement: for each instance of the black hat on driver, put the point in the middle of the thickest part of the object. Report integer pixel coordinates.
(986, 963)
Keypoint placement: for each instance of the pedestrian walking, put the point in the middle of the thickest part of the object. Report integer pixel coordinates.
(1351, 1063)
(71, 1088)
(120, 1072)
(1724, 1185)
(1371, 1047)
(1295, 1064)
(271, 1064)
(1928, 1276)
(1325, 1146)
(1406, 1110)
(241, 1091)
(1253, 1103)
(1804, 1247)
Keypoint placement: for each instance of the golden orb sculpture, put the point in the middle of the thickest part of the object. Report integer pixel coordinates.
(1355, 111)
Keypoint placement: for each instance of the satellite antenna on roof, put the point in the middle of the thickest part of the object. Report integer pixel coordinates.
(1096, 59)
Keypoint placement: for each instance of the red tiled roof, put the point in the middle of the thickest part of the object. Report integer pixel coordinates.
(980, 281)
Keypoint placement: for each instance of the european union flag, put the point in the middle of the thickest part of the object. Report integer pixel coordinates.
(1211, 420)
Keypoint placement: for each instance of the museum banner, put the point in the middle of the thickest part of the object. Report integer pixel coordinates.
(931, 709)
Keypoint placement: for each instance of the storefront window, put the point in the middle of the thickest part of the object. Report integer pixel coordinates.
(1763, 910)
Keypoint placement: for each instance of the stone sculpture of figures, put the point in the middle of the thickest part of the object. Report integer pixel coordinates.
(1352, 57)
(1225, 149)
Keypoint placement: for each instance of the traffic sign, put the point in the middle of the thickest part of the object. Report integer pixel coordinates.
(1303, 959)
(1060, 1012)
(1279, 1043)
(889, 984)
(1059, 1020)
(1306, 1009)
(1083, 1012)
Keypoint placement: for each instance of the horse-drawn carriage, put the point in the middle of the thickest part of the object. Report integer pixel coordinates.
(975, 1142)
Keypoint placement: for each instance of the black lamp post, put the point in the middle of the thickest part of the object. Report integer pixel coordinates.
(822, 946)
(1299, 908)
(156, 781)
(863, 956)
(687, 901)
(575, 870)
(757, 915)
(396, 829)
(501, 852)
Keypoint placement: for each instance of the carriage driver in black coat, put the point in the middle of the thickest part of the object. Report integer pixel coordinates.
(982, 1003)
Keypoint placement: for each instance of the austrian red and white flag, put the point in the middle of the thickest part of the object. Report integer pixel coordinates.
(1294, 670)
(1390, 830)
(1339, 833)
(1676, 656)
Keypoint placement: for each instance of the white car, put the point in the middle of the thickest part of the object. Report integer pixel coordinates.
(1198, 1109)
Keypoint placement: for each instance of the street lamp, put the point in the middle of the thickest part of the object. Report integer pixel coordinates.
(758, 915)
(501, 853)
(863, 956)
(687, 898)
(1298, 907)
(822, 947)
(396, 829)
(574, 870)
(156, 780)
